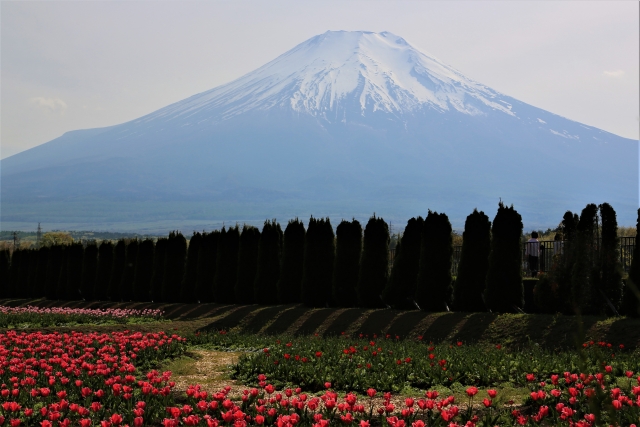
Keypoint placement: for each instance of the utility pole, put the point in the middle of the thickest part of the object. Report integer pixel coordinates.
(15, 240)
(38, 236)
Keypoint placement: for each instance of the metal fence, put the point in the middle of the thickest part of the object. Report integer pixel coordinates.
(546, 250)
(549, 248)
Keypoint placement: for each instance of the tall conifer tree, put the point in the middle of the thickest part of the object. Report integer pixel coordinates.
(159, 259)
(14, 273)
(265, 289)
(584, 273)
(143, 271)
(174, 266)
(631, 296)
(207, 260)
(319, 254)
(347, 262)
(434, 286)
(54, 264)
(504, 291)
(41, 272)
(126, 283)
(103, 272)
(188, 288)
(89, 270)
(75, 254)
(5, 262)
(226, 266)
(119, 259)
(610, 266)
(61, 285)
(30, 290)
(290, 283)
(247, 264)
(474, 263)
(374, 264)
(561, 271)
(401, 287)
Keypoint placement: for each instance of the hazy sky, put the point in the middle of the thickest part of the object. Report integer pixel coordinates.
(83, 64)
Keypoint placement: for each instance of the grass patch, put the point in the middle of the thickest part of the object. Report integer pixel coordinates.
(185, 365)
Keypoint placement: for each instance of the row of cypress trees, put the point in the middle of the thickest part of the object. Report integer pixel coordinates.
(587, 278)
(350, 268)
(227, 266)
(489, 272)
(130, 270)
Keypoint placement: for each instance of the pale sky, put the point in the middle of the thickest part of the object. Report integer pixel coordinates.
(75, 65)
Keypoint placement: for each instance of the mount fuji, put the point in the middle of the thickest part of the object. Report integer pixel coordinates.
(344, 124)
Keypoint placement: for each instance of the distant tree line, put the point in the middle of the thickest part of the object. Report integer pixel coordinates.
(320, 268)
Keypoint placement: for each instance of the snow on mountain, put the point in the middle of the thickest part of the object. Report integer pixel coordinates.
(381, 71)
(344, 124)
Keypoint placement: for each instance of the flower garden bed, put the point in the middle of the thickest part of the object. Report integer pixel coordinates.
(31, 316)
(108, 380)
(115, 378)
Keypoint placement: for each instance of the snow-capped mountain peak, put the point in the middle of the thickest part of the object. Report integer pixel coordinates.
(338, 72)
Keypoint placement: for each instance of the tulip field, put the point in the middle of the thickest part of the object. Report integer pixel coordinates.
(29, 316)
(116, 379)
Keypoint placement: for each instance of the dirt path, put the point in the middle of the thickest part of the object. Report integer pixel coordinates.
(210, 369)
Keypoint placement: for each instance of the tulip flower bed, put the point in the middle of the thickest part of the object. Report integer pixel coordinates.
(390, 364)
(29, 316)
(83, 379)
(63, 380)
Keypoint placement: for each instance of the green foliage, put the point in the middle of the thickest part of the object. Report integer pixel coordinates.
(504, 291)
(89, 270)
(54, 238)
(5, 262)
(75, 254)
(401, 287)
(374, 264)
(631, 296)
(355, 365)
(434, 285)
(144, 271)
(128, 275)
(474, 263)
(119, 259)
(545, 294)
(247, 264)
(33, 319)
(290, 283)
(159, 258)
(319, 253)
(347, 262)
(226, 266)
(188, 288)
(174, 265)
(268, 271)
(207, 258)
(103, 273)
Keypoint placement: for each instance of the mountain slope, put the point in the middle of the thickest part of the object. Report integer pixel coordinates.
(344, 124)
